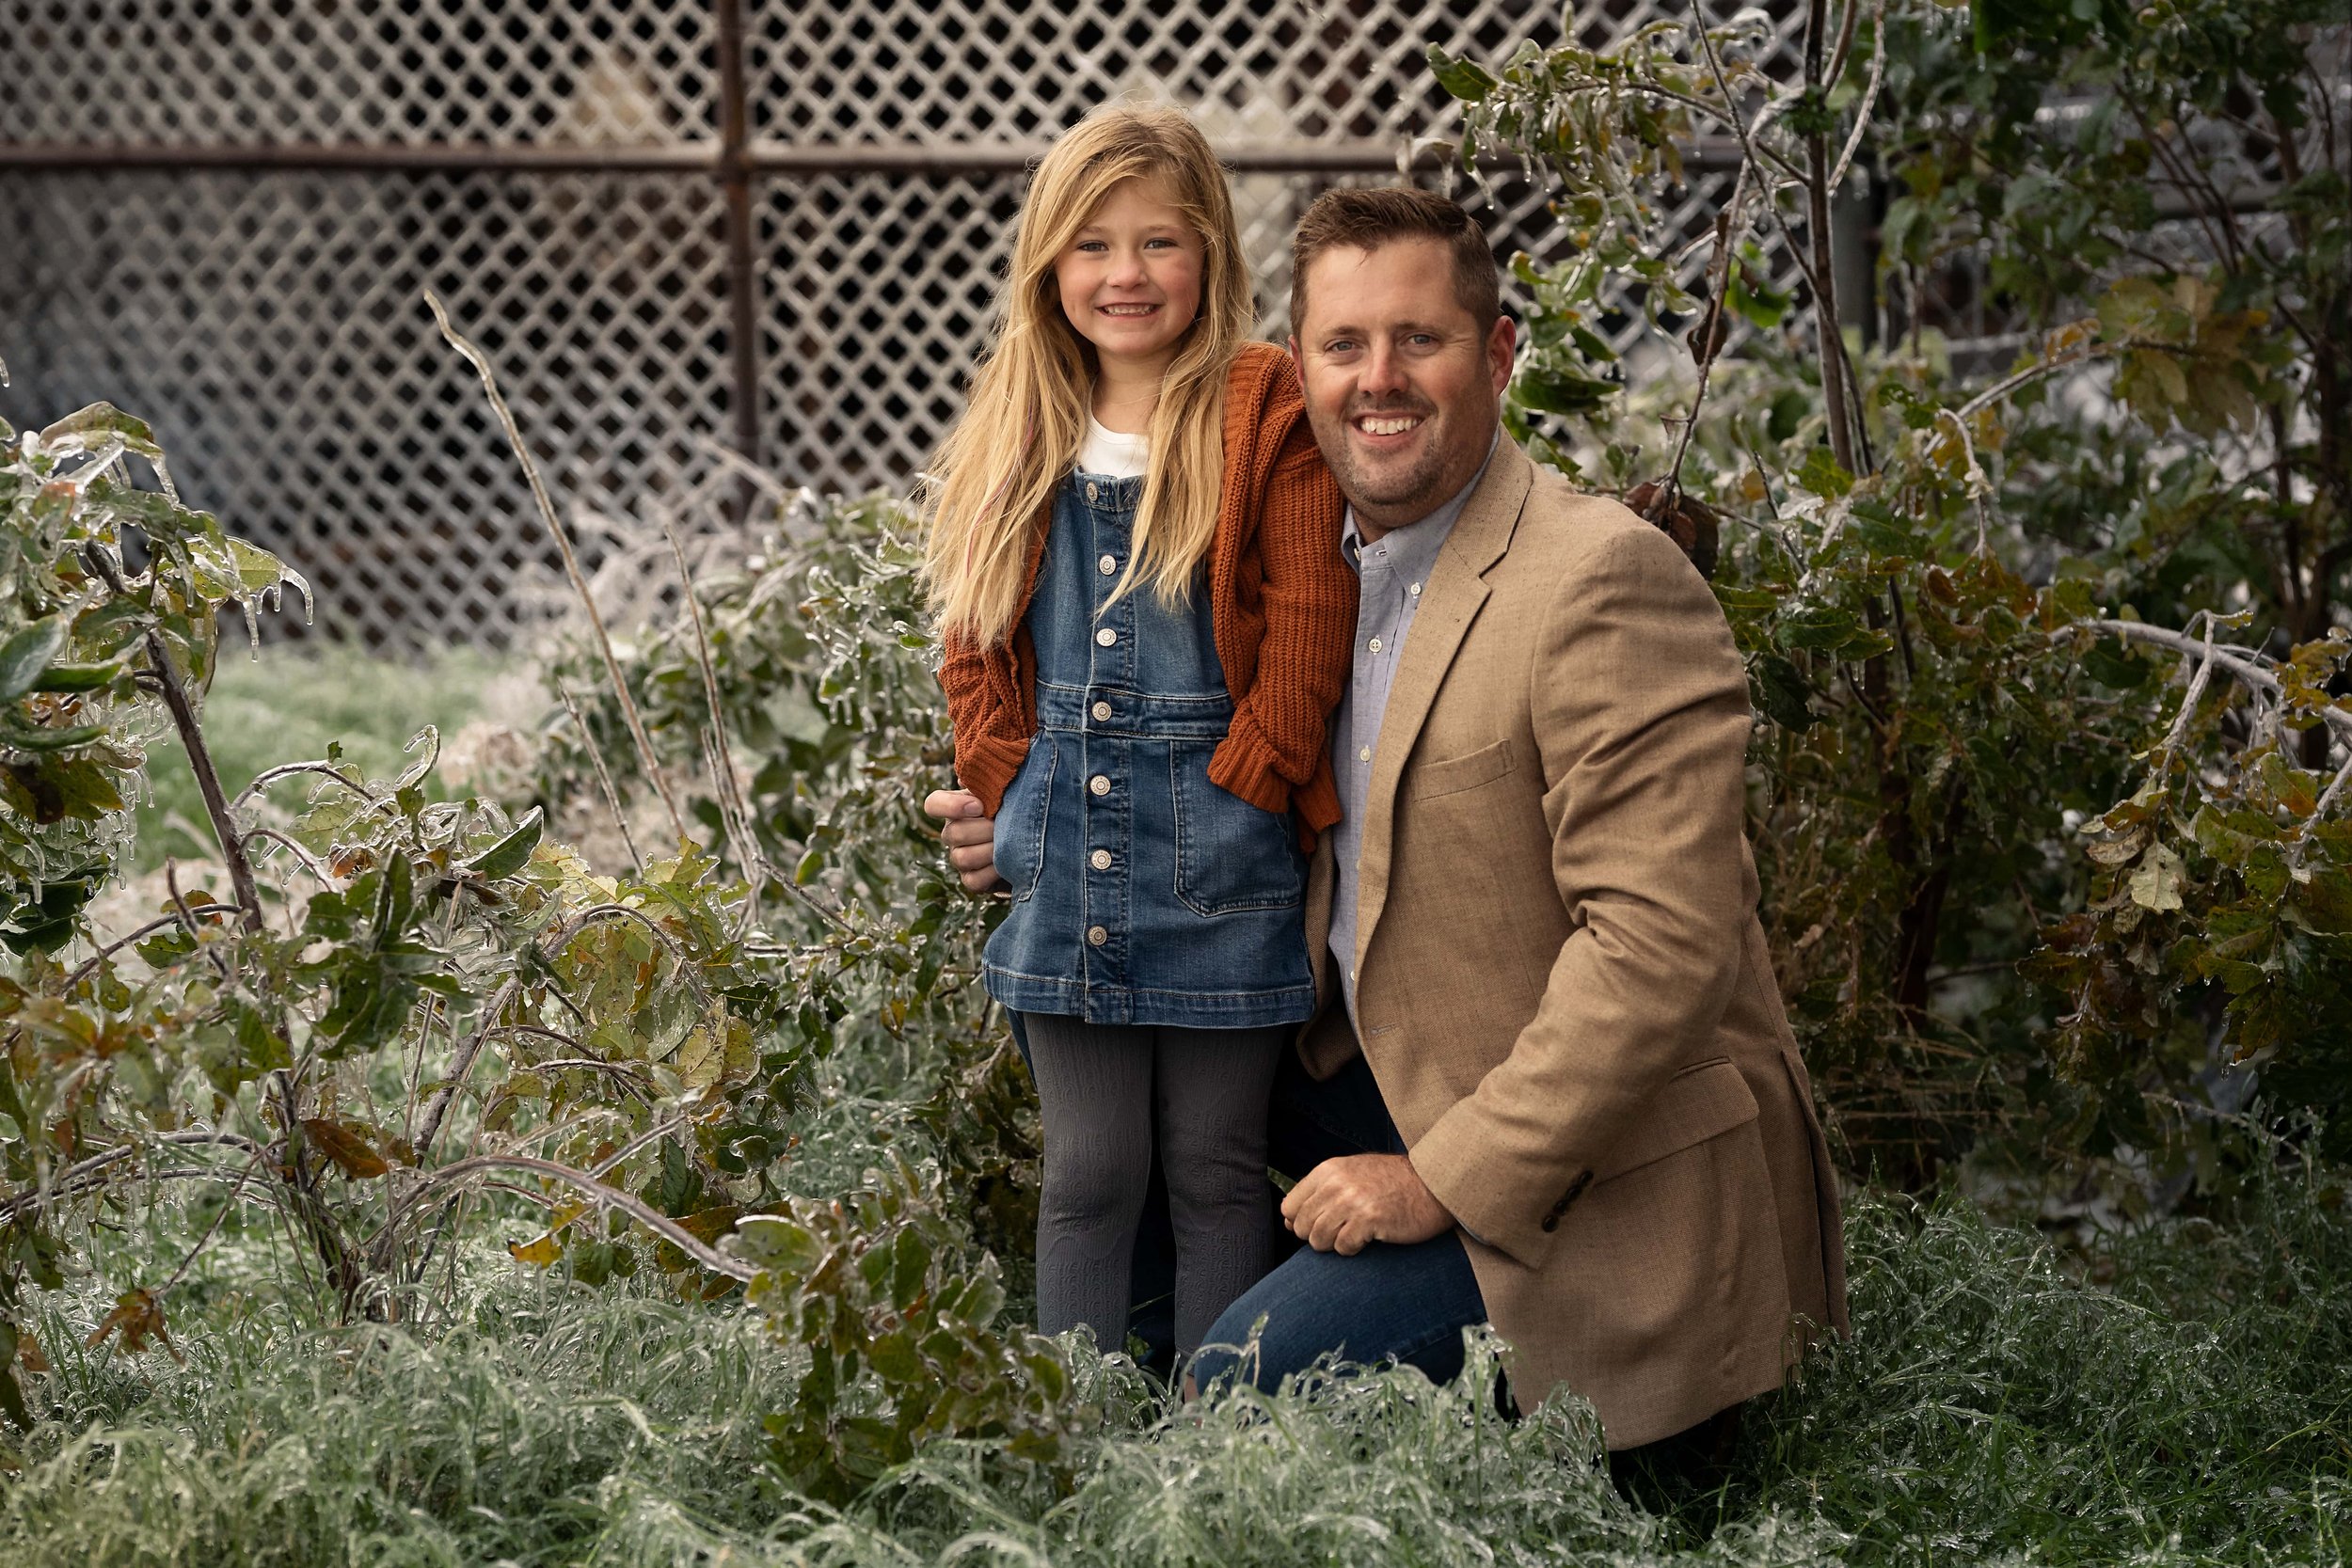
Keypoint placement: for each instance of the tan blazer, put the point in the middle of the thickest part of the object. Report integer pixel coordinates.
(1564, 991)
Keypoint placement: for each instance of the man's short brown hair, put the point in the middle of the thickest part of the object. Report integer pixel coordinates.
(1356, 219)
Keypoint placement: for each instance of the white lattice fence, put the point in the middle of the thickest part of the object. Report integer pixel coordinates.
(556, 173)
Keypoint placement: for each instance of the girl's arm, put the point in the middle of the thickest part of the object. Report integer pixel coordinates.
(991, 731)
(1280, 733)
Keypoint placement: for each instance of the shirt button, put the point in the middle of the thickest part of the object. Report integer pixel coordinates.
(1374, 645)
(1099, 859)
(1097, 936)
(1101, 711)
(1107, 565)
(1089, 492)
(1415, 590)
(1107, 637)
(1364, 753)
(1351, 976)
(1100, 784)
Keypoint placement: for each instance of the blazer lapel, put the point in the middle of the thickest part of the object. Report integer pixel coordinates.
(1449, 603)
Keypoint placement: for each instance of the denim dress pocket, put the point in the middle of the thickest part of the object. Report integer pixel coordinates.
(1020, 841)
(1229, 855)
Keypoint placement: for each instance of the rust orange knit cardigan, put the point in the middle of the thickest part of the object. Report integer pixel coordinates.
(1283, 608)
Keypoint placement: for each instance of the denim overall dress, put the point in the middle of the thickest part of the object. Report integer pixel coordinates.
(1142, 893)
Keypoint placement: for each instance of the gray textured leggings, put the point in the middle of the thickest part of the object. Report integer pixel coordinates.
(1103, 1091)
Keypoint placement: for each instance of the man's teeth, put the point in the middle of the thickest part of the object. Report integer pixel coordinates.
(1398, 426)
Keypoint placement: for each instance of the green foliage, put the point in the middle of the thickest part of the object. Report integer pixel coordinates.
(897, 1311)
(2229, 893)
(1993, 1407)
(1949, 583)
(824, 674)
(403, 996)
(387, 974)
(74, 725)
(295, 701)
(73, 729)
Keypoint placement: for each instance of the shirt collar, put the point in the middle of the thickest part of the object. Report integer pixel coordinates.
(1414, 547)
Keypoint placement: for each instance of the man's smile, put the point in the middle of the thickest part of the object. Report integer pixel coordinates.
(1384, 430)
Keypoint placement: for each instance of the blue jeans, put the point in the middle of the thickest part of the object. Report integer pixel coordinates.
(1388, 1304)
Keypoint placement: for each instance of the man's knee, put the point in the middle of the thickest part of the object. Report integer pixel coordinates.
(1386, 1306)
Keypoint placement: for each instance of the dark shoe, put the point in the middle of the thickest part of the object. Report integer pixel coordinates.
(1662, 1476)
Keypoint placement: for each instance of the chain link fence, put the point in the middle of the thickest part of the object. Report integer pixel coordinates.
(769, 226)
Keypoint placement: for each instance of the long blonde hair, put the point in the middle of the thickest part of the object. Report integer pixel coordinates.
(1020, 432)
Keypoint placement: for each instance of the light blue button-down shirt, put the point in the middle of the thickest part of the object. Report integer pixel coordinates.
(1394, 569)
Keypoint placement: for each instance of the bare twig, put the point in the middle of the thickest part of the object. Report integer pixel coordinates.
(142, 934)
(1837, 72)
(2327, 802)
(82, 1170)
(2196, 688)
(187, 916)
(1870, 93)
(213, 1229)
(742, 468)
(2241, 664)
(1828, 327)
(1754, 153)
(725, 778)
(284, 770)
(459, 1066)
(481, 363)
(175, 694)
(604, 779)
(2009, 384)
(612, 1198)
(1730, 229)
(2328, 797)
(308, 863)
(1974, 476)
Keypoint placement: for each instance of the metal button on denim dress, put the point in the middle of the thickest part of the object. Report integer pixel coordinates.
(1141, 892)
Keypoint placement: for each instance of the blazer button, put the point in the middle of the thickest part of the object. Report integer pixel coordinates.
(1551, 1221)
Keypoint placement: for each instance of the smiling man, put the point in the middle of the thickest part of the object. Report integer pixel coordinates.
(1550, 1085)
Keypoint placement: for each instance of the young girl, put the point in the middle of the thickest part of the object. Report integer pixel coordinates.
(1134, 557)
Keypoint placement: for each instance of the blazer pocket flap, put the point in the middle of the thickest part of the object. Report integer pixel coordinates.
(1452, 775)
(1699, 1102)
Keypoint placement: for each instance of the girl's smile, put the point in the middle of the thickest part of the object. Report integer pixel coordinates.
(1130, 284)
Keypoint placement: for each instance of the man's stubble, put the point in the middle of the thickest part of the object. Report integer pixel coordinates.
(1411, 491)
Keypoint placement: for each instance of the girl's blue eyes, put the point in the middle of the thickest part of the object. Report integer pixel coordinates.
(1156, 242)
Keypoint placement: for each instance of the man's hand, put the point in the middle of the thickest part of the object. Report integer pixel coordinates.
(969, 835)
(1344, 1203)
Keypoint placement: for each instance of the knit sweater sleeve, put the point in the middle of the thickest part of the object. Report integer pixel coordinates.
(1273, 754)
(991, 734)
